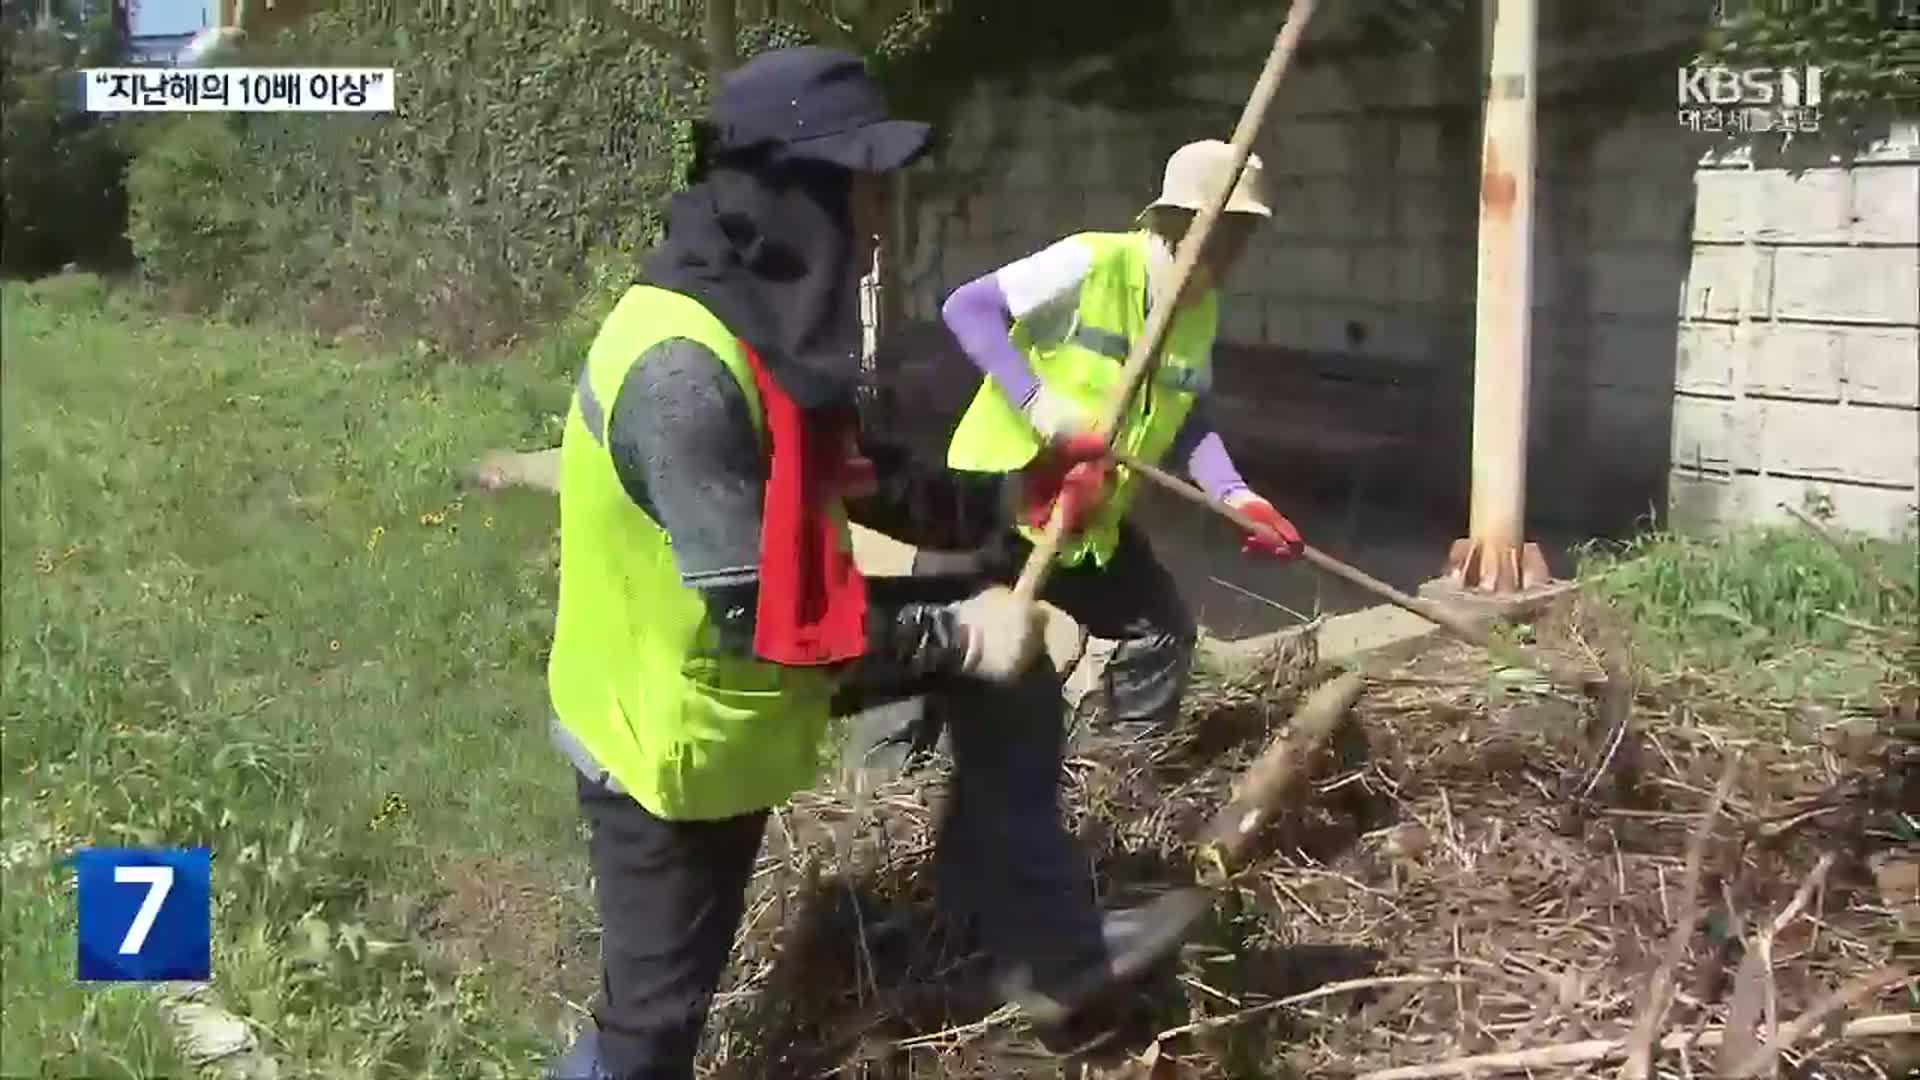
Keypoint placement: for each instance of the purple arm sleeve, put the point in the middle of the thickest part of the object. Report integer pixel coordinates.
(1206, 455)
(977, 314)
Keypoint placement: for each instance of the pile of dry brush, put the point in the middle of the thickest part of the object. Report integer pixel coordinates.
(1481, 866)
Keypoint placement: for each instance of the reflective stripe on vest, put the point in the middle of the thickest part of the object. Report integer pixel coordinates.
(591, 412)
(1085, 367)
(646, 698)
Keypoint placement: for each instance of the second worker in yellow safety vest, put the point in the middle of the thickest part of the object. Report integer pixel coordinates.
(1051, 334)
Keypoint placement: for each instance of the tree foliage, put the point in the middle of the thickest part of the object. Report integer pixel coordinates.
(1870, 56)
(61, 169)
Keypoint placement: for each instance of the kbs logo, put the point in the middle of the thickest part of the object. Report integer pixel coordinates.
(1790, 88)
(1749, 100)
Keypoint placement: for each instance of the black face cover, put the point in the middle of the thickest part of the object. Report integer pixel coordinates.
(765, 242)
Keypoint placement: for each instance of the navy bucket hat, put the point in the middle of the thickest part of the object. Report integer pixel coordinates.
(817, 104)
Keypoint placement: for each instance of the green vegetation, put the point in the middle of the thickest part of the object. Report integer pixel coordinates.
(245, 606)
(1777, 613)
(528, 148)
(1868, 61)
(61, 193)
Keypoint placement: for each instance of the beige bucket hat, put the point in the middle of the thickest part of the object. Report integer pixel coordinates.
(1196, 171)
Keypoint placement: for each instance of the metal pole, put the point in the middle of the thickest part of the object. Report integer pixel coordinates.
(1495, 557)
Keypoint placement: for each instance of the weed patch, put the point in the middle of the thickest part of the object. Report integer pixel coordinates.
(246, 607)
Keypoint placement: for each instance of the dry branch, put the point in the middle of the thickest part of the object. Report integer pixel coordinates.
(1660, 994)
(1847, 997)
(1214, 1023)
(1597, 1050)
(1280, 771)
(1753, 987)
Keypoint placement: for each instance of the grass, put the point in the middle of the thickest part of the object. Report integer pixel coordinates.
(1775, 612)
(245, 607)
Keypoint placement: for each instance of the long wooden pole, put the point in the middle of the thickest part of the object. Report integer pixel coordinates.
(1472, 633)
(1491, 559)
(1147, 349)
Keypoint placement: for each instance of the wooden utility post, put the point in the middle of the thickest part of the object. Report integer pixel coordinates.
(1495, 556)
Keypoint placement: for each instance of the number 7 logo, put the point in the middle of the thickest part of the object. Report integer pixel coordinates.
(144, 914)
(159, 882)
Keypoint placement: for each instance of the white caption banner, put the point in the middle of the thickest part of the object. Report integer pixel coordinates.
(239, 89)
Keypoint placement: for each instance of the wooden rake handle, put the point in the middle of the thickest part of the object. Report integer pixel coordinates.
(1460, 627)
(1160, 319)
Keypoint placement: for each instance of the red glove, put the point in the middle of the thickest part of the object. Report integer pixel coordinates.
(1073, 471)
(1278, 538)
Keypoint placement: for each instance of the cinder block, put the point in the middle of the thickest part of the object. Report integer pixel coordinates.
(1372, 274)
(1419, 147)
(1548, 289)
(1701, 504)
(1715, 283)
(1880, 512)
(1633, 282)
(1243, 321)
(1312, 88)
(1704, 434)
(1656, 217)
(1811, 207)
(1325, 271)
(1620, 417)
(1293, 212)
(1417, 275)
(1886, 204)
(1707, 357)
(1284, 324)
(1881, 367)
(1433, 207)
(1839, 442)
(1722, 203)
(1794, 361)
(1284, 274)
(1335, 206)
(1856, 284)
(1639, 355)
(1315, 147)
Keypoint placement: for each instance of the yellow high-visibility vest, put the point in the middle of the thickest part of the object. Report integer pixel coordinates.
(1085, 367)
(636, 676)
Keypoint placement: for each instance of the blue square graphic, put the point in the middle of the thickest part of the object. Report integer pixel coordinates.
(146, 914)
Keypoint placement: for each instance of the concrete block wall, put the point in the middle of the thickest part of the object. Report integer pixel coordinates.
(1799, 368)
(1708, 338)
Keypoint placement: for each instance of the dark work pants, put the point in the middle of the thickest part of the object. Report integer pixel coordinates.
(1136, 604)
(671, 894)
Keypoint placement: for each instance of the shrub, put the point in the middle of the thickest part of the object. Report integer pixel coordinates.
(60, 169)
(191, 229)
(526, 146)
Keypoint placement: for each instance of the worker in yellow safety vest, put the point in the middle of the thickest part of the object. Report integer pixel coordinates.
(1051, 334)
(711, 622)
